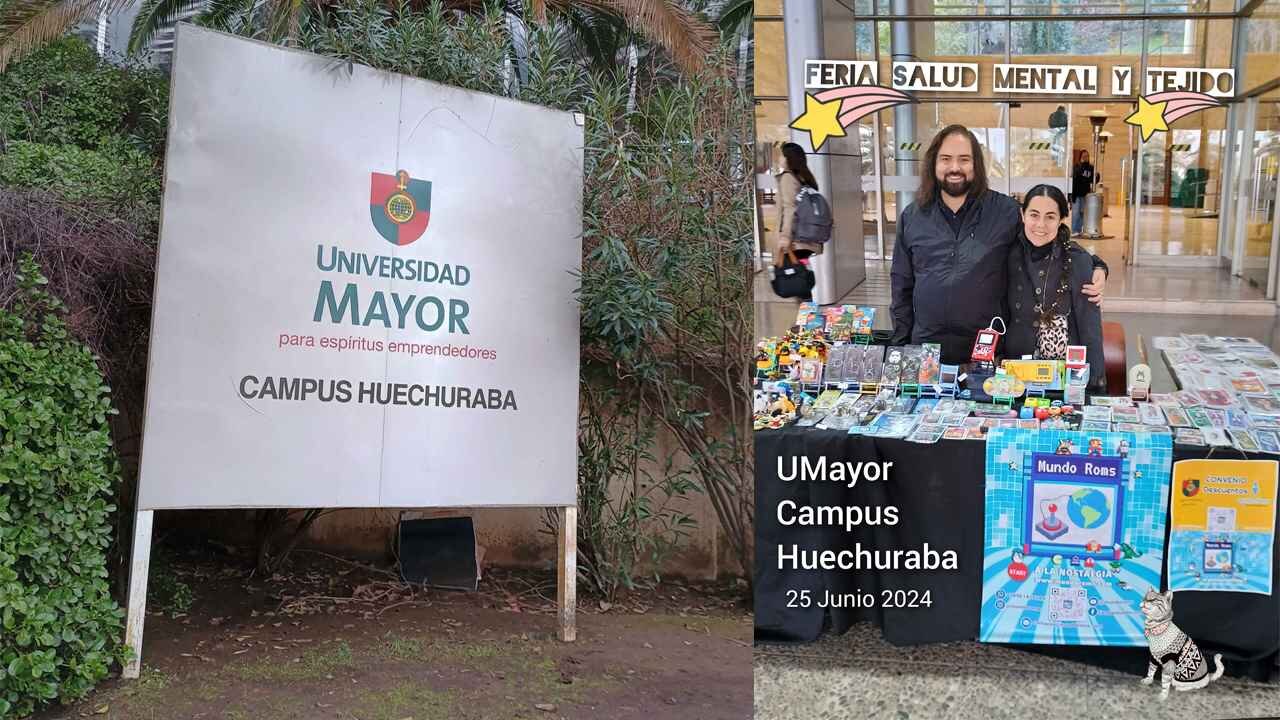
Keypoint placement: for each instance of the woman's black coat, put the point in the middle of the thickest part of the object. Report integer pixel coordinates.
(1027, 276)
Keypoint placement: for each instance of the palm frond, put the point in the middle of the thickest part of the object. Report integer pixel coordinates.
(601, 36)
(221, 13)
(682, 33)
(733, 15)
(153, 16)
(26, 25)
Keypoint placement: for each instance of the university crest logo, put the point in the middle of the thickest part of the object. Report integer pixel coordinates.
(400, 206)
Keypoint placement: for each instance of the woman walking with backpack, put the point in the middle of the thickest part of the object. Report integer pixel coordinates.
(794, 178)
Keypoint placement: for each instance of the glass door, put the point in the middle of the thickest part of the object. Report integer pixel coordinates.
(1259, 266)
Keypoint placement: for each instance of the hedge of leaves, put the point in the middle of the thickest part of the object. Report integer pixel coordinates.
(60, 629)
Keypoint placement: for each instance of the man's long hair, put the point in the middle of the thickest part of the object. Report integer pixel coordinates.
(929, 178)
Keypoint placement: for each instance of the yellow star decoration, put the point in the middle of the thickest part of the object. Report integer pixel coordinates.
(1149, 117)
(820, 119)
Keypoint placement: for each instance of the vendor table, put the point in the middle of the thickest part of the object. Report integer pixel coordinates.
(939, 490)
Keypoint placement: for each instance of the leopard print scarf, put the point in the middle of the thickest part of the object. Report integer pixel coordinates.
(1052, 335)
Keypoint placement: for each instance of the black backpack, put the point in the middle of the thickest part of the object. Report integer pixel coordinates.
(812, 222)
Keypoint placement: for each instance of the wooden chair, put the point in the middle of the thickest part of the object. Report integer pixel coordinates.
(1113, 355)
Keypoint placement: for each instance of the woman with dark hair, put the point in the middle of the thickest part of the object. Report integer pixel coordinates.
(1046, 311)
(795, 174)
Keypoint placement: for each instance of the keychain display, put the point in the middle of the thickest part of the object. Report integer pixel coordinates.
(985, 345)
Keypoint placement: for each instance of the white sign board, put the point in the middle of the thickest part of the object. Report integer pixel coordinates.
(823, 74)
(364, 292)
(1055, 79)
(937, 77)
(1216, 82)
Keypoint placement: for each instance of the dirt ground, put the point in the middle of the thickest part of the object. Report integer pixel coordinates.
(329, 639)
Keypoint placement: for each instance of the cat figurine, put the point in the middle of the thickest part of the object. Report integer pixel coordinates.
(1173, 653)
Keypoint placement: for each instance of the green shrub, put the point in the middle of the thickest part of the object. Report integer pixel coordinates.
(59, 627)
(116, 172)
(64, 94)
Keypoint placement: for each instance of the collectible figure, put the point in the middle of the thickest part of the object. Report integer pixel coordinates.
(1173, 652)
(763, 361)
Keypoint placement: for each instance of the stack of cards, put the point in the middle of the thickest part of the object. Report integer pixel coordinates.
(892, 426)
(927, 433)
(1244, 440)
(1098, 413)
(1125, 414)
(1151, 414)
(1118, 400)
(1189, 436)
(1177, 417)
(1268, 441)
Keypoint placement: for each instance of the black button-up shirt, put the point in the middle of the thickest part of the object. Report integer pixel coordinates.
(955, 219)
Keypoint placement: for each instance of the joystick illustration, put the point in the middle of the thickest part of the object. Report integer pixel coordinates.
(1050, 525)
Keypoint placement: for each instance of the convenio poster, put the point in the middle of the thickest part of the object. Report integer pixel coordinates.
(364, 290)
(1074, 535)
(1222, 525)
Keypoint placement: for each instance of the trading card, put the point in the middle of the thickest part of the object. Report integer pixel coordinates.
(1261, 404)
(1097, 413)
(1216, 398)
(1126, 414)
(1248, 385)
(1245, 441)
(1177, 417)
(1189, 436)
(1268, 441)
(1199, 417)
(1151, 414)
(1216, 437)
(1188, 398)
(928, 434)
(1237, 419)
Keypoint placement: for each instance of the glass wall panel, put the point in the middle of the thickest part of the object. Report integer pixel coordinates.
(1061, 38)
(1181, 180)
(1262, 46)
(1261, 214)
(1039, 149)
(771, 131)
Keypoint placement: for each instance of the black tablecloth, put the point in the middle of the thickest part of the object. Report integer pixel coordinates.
(939, 491)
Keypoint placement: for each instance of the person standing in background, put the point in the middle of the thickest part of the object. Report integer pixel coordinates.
(1082, 179)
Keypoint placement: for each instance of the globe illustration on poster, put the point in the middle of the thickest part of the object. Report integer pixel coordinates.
(1088, 508)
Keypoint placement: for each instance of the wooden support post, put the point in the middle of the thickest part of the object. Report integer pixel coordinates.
(567, 574)
(138, 569)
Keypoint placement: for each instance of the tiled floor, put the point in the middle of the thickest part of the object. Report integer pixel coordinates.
(859, 675)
